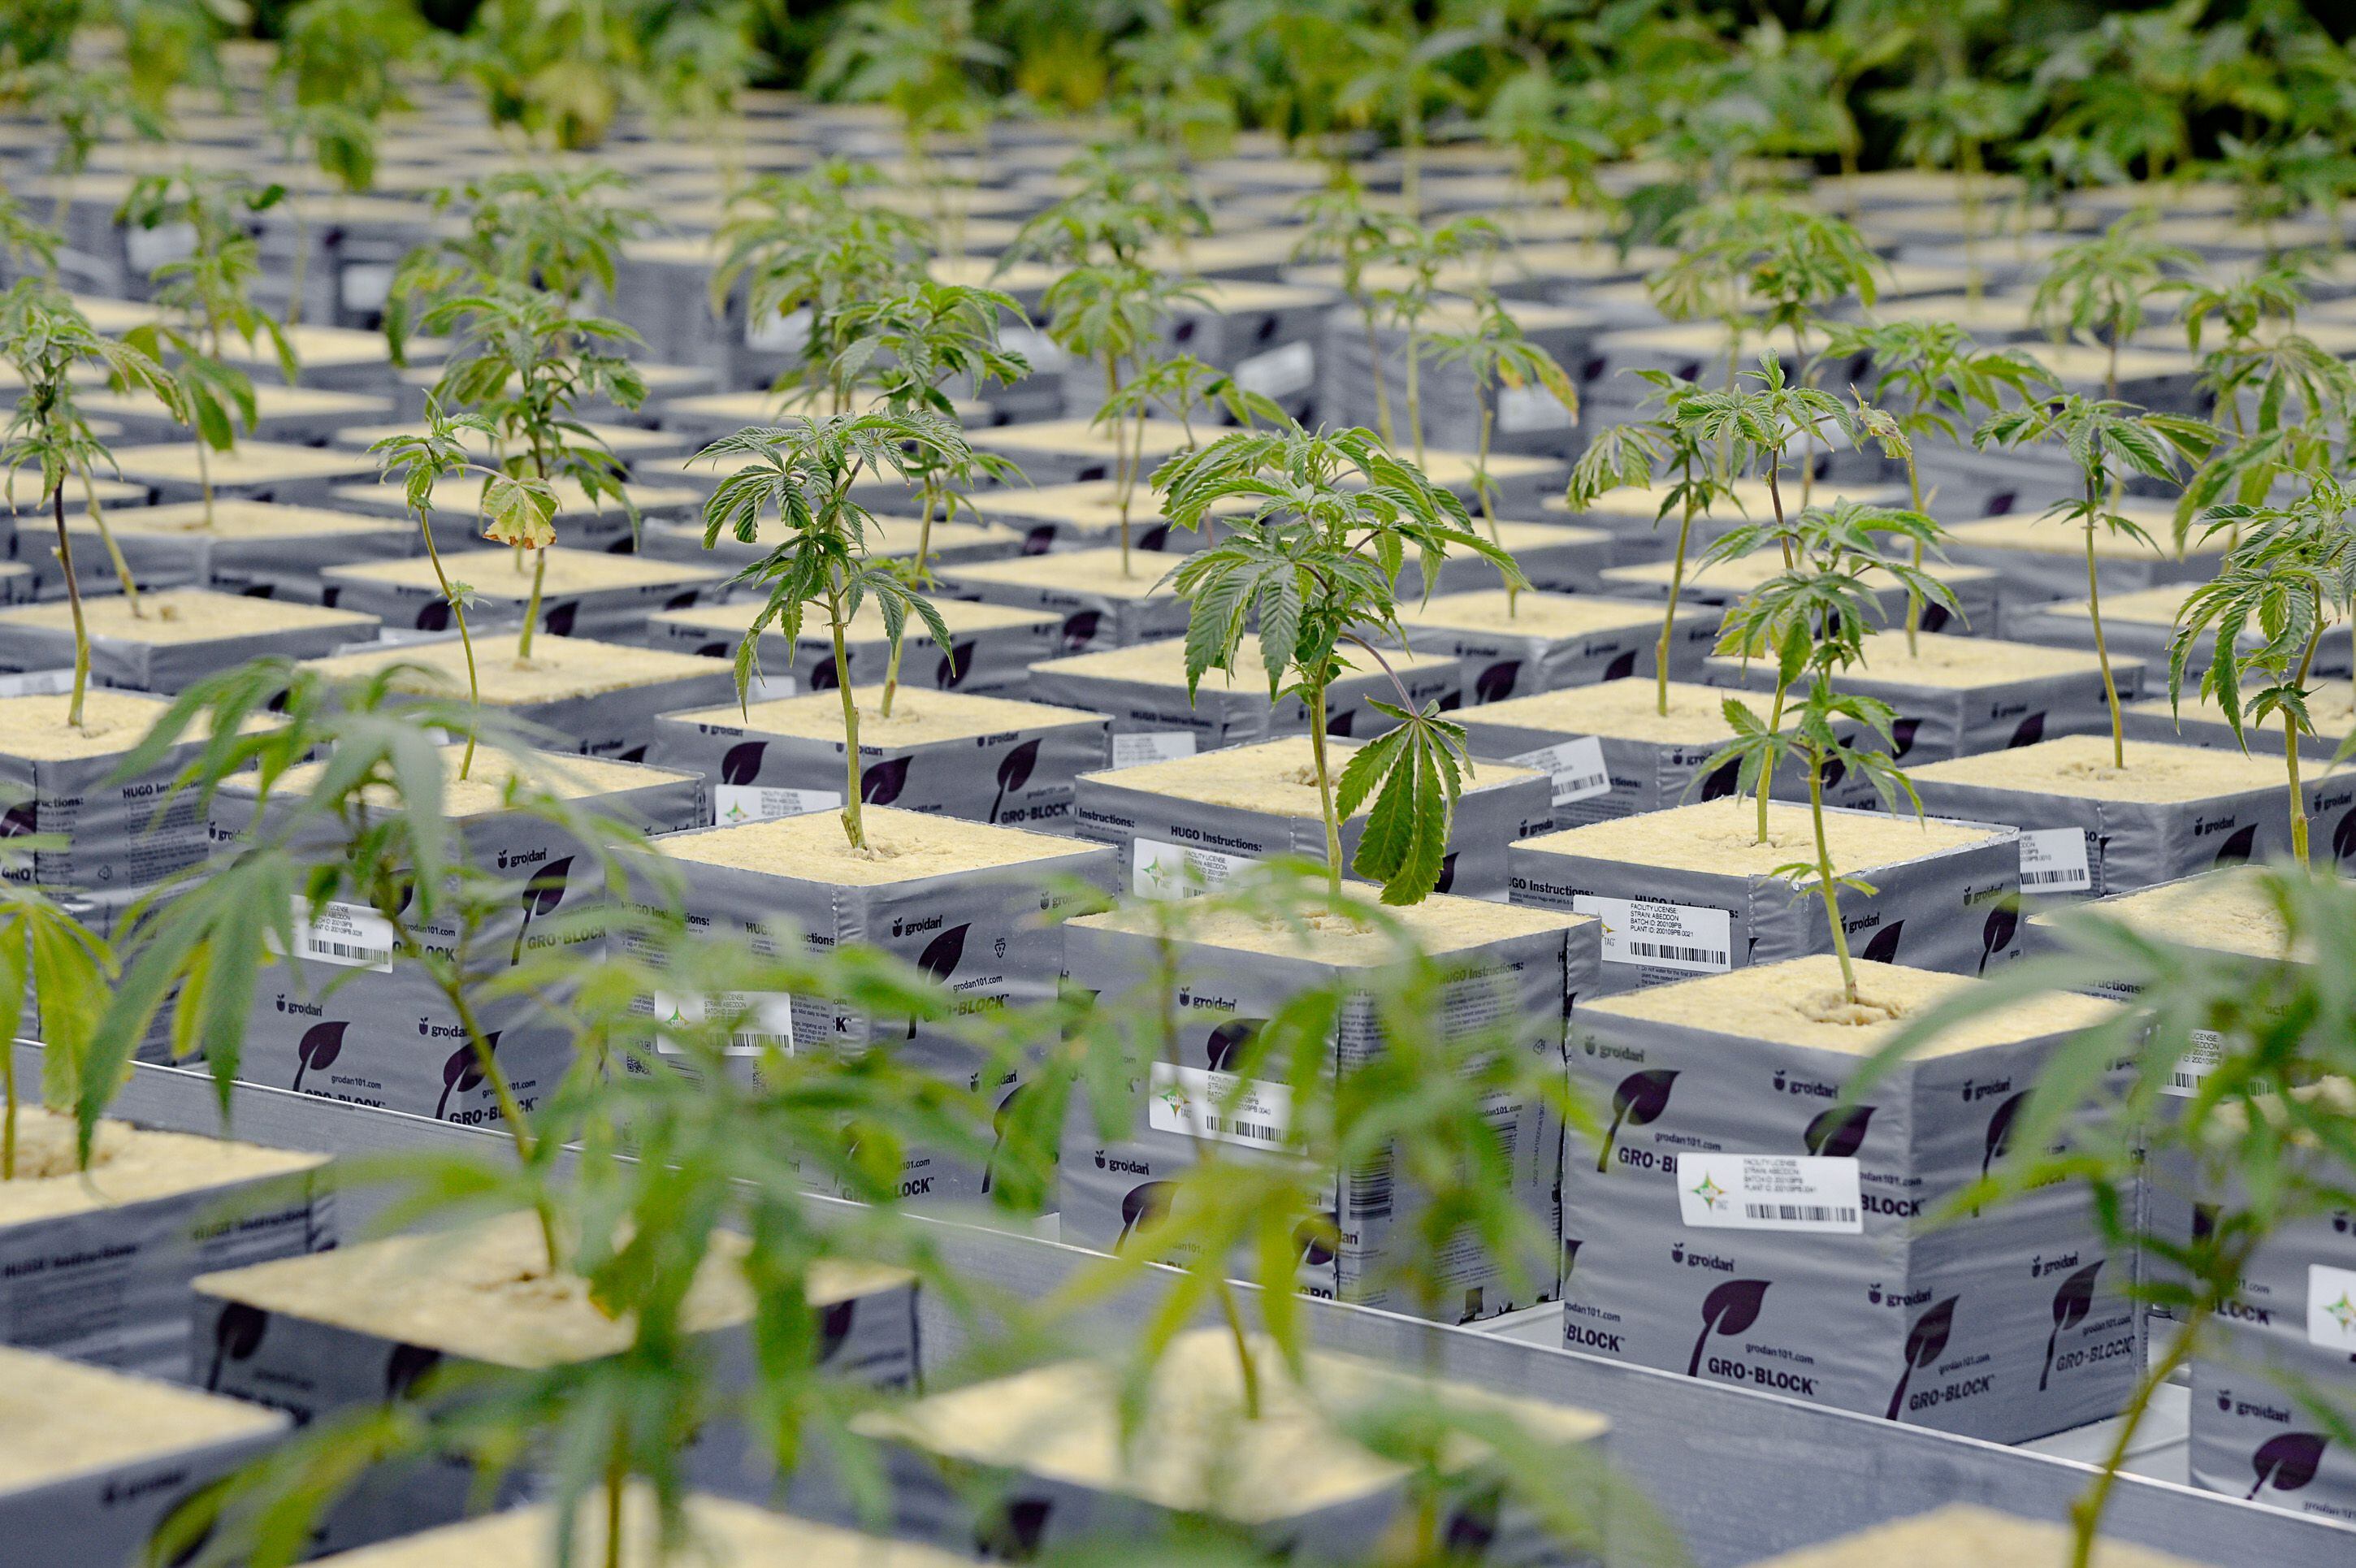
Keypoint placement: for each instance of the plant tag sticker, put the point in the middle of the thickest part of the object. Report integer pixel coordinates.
(1575, 766)
(1771, 1192)
(350, 936)
(733, 804)
(1521, 409)
(1279, 372)
(1151, 746)
(1045, 355)
(1169, 871)
(2331, 1308)
(768, 688)
(766, 1020)
(1195, 1102)
(36, 683)
(2053, 860)
(1665, 936)
(2202, 1054)
(779, 334)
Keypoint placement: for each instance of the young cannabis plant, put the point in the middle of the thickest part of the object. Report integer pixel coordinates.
(2100, 290)
(1340, 224)
(1504, 362)
(1315, 561)
(1416, 256)
(803, 475)
(2284, 397)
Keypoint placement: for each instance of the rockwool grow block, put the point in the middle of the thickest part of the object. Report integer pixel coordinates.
(1721, 584)
(600, 698)
(1046, 1448)
(1087, 516)
(972, 905)
(1070, 451)
(248, 547)
(178, 637)
(1515, 644)
(1557, 557)
(1452, 399)
(2198, 720)
(92, 1461)
(96, 1265)
(1963, 1536)
(1509, 975)
(1632, 515)
(296, 416)
(987, 759)
(348, 1330)
(583, 593)
(1143, 691)
(1692, 891)
(1608, 749)
(2037, 558)
(991, 647)
(581, 524)
(1185, 823)
(253, 470)
(1103, 606)
(888, 538)
(2089, 827)
(1741, 1222)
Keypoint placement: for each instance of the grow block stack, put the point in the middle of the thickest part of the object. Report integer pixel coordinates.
(1689, 891)
(1963, 1536)
(1721, 584)
(991, 647)
(1072, 451)
(605, 525)
(1741, 1223)
(1508, 974)
(888, 538)
(254, 470)
(1608, 749)
(1101, 606)
(2198, 721)
(2037, 558)
(583, 593)
(250, 547)
(2141, 624)
(348, 1330)
(987, 759)
(1194, 821)
(1514, 645)
(179, 635)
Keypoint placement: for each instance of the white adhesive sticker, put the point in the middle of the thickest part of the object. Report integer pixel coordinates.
(767, 688)
(2053, 860)
(1042, 353)
(778, 334)
(1280, 372)
(1151, 746)
(1196, 1103)
(1575, 766)
(2204, 1050)
(1662, 935)
(1771, 1192)
(38, 683)
(766, 1020)
(1521, 409)
(733, 803)
(364, 286)
(1169, 871)
(350, 936)
(2332, 1307)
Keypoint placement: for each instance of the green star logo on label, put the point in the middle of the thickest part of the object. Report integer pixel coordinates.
(1711, 1193)
(2343, 1313)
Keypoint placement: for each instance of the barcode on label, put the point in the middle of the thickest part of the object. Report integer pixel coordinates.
(1576, 766)
(2053, 860)
(1370, 1191)
(1714, 958)
(1771, 1192)
(1168, 872)
(1200, 1103)
(1807, 1213)
(351, 936)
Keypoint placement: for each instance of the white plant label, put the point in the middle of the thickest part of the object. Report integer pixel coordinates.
(1169, 871)
(1664, 936)
(148, 249)
(733, 803)
(36, 683)
(365, 285)
(1045, 356)
(1151, 746)
(2332, 1307)
(1195, 1102)
(1771, 1192)
(768, 688)
(350, 936)
(766, 1018)
(779, 334)
(1521, 409)
(1279, 372)
(2053, 860)
(2202, 1054)
(1575, 766)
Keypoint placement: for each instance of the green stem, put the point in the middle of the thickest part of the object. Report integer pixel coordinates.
(1676, 590)
(2086, 1511)
(2094, 615)
(853, 825)
(531, 604)
(452, 988)
(1774, 726)
(465, 641)
(205, 478)
(106, 537)
(617, 1480)
(1325, 790)
(2290, 747)
(1913, 598)
(8, 1111)
(1119, 456)
(1415, 391)
(1824, 884)
(73, 599)
(1382, 388)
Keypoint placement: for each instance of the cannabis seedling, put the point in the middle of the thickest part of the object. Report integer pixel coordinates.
(2285, 397)
(1341, 225)
(1315, 559)
(1417, 256)
(2100, 289)
(1503, 363)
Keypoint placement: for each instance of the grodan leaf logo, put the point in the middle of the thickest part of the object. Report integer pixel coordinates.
(405, 1367)
(1015, 1531)
(1883, 948)
(1925, 1343)
(320, 1046)
(434, 616)
(560, 620)
(2072, 1303)
(939, 961)
(1621, 668)
(1731, 1308)
(541, 897)
(1995, 935)
(1839, 1133)
(237, 1335)
(462, 1072)
(997, 1122)
(2235, 850)
(1014, 771)
(824, 676)
(1640, 1099)
(1080, 629)
(740, 764)
(2029, 732)
(2286, 1462)
(950, 670)
(881, 785)
(1220, 1046)
(1141, 1206)
(1495, 684)
(1342, 723)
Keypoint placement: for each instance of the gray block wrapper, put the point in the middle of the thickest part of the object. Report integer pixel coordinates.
(1236, 712)
(167, 667)
(2006, 1324)
(986, 661)
(616, 614)
(1952, 910)
(1501, 663)
(1091, 620)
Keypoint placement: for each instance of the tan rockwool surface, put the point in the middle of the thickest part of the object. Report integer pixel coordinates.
(59, 1418)
(251, 463)
(1717, 836)
(179, 616)
(1530, 614)
(1078, 571)
(1455, 470)
(128, 1165)
(2221, 911)
(458, 500)
(2079, 765)
(1961, 1536)
(2082, 363)
(1988, 314)
(495, 574)
(1625, 710)
(1092, 503)
(2330, 704)
(1744, 573)
(485, 787)
(2153, 606)
(1749, 502)
(1277, 776)
(1164, 662)
(1798, 1002)
(620, 439)
(1937, 659)
(723, 1534)
(235, 519)
(1074, 437)
(560, 666)
(885, 536)
(960, 615)
(2060, 536)
(919, 717)
(1441, 923)
(112, 720)
(484, 1292)
(272, 400)
(902, 846)
(1201, 1454)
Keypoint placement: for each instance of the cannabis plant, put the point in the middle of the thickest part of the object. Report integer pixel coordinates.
(1417, 255)
(207, 299)
(1812, 619)
(1341, 225)
(2286, 580)
(920, 58)
(2284, 397)
(56, 972)
(2108, 441)
(84, 104)
(2100, 289)
(1315, 561)
(803, 475)
(1122, 204)
(45, 340)
(1503, 364)
(1949, 119)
